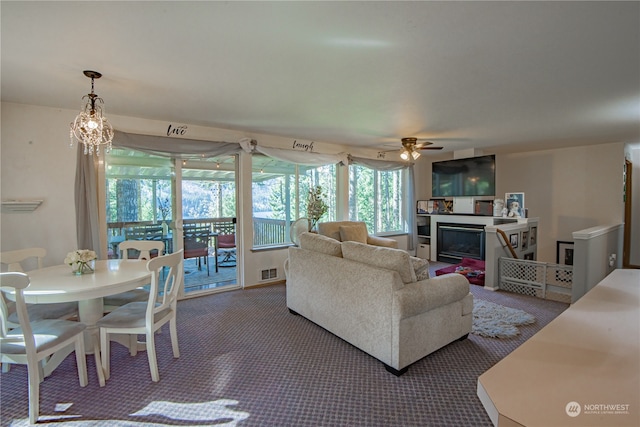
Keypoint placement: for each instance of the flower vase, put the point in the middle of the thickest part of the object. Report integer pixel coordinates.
(165, 228)
(81, 267)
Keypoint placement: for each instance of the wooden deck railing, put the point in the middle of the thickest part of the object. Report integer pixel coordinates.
(265, 231)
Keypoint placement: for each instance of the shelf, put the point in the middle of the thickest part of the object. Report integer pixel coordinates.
(21, 205)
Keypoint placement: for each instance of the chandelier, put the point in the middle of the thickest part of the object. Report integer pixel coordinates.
(90, 127)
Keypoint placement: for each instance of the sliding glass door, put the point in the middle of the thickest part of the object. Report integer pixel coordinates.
(187, 204)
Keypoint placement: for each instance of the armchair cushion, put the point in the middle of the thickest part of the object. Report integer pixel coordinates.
(421, 268)
(318, 243)
(389, 258)
(353, 233)
(332, 229)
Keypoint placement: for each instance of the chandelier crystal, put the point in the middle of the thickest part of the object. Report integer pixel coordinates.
(90, 127)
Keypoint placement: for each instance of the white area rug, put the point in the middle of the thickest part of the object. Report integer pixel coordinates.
(497, 321)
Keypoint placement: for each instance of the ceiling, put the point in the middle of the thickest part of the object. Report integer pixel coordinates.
(499, 76)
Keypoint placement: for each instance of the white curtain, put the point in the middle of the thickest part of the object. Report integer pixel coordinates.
(410, 199)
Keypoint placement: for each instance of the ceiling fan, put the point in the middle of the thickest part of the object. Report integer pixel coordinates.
(411, 148)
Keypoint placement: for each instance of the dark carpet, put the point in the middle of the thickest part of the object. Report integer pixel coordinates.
(245, 360)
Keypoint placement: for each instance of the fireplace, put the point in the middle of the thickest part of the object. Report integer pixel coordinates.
(457, 241)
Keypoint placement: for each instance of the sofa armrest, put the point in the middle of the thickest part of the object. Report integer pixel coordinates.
(382, 241)
(419, 297)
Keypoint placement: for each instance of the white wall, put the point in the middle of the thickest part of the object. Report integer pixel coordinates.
(567, 189)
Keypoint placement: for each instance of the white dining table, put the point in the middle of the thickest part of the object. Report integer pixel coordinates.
(59, 284)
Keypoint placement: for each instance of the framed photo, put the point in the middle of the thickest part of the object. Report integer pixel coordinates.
(514, 202)
(529, 256)
(423, 207)
(525, 240)
(533, 236)
(513, 239)
(564, 253)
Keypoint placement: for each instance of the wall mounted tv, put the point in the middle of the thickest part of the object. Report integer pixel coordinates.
(473, 176)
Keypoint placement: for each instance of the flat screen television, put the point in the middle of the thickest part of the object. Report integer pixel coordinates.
(473, 176)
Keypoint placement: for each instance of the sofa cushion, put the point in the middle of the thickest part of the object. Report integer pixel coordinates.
(421, 268)
(318, 243)
(353, 233)
(391, 259)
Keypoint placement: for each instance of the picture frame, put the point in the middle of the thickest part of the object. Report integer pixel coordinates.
(564, 252)
(513, 239)
(533, 236)
(423, 207)
(514, 203)
(525, 240)
(528, 256)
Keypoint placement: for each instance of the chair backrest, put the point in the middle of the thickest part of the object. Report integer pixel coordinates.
(14, 283)
(164, 293)
(227, 241)
(144, 232)
(143, 246)
(196, 241)
(13, 259)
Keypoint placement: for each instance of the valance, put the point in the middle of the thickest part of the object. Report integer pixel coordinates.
(174, 147)
(305, 158)
(378, 164)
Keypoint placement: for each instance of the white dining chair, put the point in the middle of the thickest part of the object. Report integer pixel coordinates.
(16, 261)
(147, 317)
(145, 249)
(30, 344)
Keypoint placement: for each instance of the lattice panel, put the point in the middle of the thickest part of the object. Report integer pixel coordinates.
(534, 278)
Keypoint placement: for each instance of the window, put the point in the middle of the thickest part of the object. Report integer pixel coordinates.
(280, 191)
(377, 198)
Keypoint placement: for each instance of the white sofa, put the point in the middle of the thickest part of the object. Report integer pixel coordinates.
(370, 297)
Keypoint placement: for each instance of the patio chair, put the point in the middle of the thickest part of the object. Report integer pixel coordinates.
(196, 244)
(227, 247)
(32, 344)
(147, 317)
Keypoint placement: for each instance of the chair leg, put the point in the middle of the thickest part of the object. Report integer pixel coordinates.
(173, 330)
(34, 392)
(96, 354)
(106, 353)
(81, 361)
(151, 355)
(133, 344)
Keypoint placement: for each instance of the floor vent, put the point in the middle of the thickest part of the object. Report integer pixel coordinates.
(270, 273)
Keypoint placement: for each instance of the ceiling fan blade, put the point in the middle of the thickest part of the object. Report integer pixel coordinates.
(431, 148)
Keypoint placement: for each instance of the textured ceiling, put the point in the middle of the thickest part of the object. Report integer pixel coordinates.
(490, 75)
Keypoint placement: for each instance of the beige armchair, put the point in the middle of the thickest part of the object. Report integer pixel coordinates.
(355, 231)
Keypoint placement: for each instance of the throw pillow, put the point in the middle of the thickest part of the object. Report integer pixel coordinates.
(319, 243)
(391, 259)
(353, 233)
(421, 268)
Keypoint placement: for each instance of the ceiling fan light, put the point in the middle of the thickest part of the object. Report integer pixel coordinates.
(404, 155)
(415, 155)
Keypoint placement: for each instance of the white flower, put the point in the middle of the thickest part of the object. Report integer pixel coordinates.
(80, 256)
